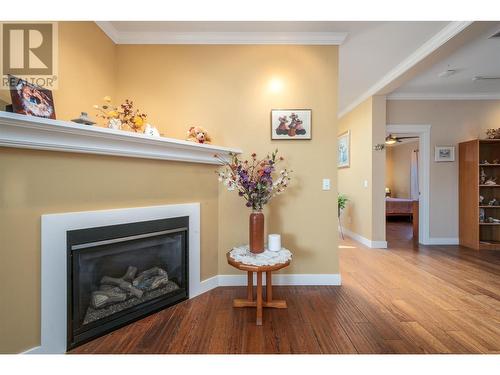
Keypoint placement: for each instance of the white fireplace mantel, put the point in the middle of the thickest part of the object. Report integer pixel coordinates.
(37, 133)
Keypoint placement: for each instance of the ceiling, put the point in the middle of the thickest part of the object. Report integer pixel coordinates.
(480, 56)
(373, 49)
(371, 54)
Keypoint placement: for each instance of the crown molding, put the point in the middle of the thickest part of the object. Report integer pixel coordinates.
(429, 96)
(443, 36)
(305, 38)
(109, 30)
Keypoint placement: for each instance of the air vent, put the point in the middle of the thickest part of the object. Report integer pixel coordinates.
(496, 35)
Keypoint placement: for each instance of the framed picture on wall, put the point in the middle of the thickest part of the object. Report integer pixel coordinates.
(444, 153)
(291, 124)
(344, 150)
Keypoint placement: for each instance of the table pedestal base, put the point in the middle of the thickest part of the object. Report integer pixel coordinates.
(259, 303)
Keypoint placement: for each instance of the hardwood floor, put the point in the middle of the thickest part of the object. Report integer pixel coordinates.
(407, 299)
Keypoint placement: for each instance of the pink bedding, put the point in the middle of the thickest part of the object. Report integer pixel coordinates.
(395, 206)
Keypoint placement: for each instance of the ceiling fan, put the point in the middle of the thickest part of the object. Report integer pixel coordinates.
(392, 139)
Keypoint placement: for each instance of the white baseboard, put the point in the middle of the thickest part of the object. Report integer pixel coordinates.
(284, 279)
(442, 241)
(206, 285)
(365, 241)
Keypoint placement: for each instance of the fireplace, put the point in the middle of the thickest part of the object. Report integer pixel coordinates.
(120, 273)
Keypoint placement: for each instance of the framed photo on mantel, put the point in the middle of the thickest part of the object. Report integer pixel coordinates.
(291, 124)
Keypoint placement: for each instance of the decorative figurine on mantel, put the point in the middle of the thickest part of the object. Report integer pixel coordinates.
(121, 116)
(151, 131)
(198, 134)
(254, 181)
(84, 119)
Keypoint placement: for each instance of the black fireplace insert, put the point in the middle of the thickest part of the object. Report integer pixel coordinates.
(120, 273)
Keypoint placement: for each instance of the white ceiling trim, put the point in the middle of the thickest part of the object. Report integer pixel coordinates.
(305, 38)
(447, 33)
(463, 96)
(109, 30)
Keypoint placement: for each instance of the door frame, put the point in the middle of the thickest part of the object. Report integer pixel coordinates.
(424, 162)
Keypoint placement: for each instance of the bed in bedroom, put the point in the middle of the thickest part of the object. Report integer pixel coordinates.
(403, 207)
(398, 207)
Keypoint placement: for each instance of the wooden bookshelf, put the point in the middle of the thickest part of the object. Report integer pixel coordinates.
(474, 233)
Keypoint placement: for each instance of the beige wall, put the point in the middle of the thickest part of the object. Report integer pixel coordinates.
(451, 122)
(398, 168)
(357, 214)
(225, 89)
(39, 182)
(378, 168)
(365, 211)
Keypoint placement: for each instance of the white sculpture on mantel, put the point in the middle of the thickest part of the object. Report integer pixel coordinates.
(151, 131)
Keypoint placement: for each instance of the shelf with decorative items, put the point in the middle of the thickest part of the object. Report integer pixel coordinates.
(30, 132)
(479, 217)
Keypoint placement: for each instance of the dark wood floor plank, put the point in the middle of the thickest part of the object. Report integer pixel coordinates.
(406, 299)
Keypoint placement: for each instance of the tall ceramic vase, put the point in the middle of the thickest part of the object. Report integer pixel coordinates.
(256, 232)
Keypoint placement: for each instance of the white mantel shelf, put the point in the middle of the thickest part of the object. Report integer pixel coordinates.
(37, 133)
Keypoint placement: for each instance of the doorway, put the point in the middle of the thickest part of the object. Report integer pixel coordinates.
(403, 203)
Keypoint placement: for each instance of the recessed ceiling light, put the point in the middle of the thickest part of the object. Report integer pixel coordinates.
(447, 73)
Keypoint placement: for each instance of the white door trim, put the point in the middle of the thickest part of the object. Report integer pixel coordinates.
(424, 133)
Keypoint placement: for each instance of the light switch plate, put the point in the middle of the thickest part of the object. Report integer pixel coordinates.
(326, 184)
(365, 183)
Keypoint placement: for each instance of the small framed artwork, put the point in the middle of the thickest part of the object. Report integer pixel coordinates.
(291, 124)
(29, 99)
(444, 153)
(344, 150)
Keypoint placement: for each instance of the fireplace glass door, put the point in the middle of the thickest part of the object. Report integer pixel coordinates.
(120, 273)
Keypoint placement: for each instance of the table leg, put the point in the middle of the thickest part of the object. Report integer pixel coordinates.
(269, 286)
(259, 298)
(250, 286)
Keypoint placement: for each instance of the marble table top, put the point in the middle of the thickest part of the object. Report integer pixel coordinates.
(243, 255)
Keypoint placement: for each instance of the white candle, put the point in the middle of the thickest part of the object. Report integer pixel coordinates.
(274, 242)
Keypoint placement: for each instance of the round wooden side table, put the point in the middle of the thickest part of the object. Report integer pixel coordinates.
(258, 303)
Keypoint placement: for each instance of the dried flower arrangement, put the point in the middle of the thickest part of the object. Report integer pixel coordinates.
(253, 179)
(124, 115)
